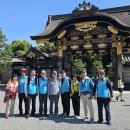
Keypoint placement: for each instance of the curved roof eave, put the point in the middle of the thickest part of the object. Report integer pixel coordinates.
(99, 16)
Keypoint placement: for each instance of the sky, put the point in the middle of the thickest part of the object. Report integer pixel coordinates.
(19, 19)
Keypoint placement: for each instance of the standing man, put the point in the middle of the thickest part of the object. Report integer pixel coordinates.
(65, 93)
(54, 92)
(86, 92)
(21, 91)
(104, 95)
(32, 90)
(43, 93)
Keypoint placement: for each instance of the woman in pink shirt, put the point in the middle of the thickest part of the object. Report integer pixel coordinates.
(10, 96)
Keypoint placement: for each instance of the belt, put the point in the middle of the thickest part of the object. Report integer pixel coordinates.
(85, 92)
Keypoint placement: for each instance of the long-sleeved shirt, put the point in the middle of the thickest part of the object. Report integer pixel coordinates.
(74, 87)
(22, 84)
(43, 85)
(86, 85)
(54, 86)
(65, 84)
(103, 88)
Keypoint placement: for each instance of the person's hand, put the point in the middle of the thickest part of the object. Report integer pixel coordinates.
(26, 95)
(110, 98)
(95, 98)
(91, 97)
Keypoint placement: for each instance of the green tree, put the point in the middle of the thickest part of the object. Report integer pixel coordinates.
(20, 47)
(77, 66)
(47, 48)
(5, 55)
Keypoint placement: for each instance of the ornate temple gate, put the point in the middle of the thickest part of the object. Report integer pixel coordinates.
(87, 30)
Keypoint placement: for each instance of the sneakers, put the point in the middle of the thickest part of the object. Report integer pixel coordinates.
(6, 116)
(117, 98)
(109, 123)
(27, 116)
(122, 100)
(21, 113)
(63, 114)
(45, 115)
(12, 116)
(99, 122)
(91, 121)
(86, 119)
(77, 117)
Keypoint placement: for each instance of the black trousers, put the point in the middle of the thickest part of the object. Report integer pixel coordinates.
(32, 99)
(43, 99)
(103, 102)
(21, 99)
(65, 98)
(76, 104)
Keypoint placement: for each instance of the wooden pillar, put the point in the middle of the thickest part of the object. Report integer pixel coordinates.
(119, 61)
(68, 63)
(119, 65)
(60, 50)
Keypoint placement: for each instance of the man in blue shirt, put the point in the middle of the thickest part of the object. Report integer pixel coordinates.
(86, 93)
(104, 95)
(43, 93)
(21, 91)
(65, 93)
(32, 91)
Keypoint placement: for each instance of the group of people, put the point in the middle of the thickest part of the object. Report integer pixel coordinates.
(29, 87)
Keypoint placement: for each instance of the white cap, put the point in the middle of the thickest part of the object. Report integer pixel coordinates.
(43, 71)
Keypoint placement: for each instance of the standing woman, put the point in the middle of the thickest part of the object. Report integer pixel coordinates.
(54, 92)
(120, 89)
(75, 96)
(10, 96)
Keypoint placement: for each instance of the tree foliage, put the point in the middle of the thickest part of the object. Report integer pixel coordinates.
(5, 54)
(78, 65)
(48, 48)
(20, 47)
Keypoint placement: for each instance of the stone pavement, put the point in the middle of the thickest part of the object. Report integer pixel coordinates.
(120, 118)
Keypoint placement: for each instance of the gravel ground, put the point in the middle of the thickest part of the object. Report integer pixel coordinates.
(120, 112)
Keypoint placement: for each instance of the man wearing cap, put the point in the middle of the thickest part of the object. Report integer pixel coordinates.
(43, 93)
(32, 91)
(54, 92)
(104, 95)
(21, 91)
(65, 93)
(86, 93)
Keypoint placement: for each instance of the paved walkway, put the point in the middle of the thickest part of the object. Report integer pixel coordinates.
(120, 118)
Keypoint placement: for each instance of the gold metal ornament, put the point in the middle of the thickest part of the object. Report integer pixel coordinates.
(61, 34)
(74, 46)
(74, 38)
(102, 36)
(112, 29)
(87, 36)
(102, 45)
(86, 26)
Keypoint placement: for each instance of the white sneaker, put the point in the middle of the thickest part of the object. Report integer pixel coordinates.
(77, 117)
(86, 119)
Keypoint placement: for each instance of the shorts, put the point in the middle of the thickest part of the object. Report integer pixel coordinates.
(120, 89)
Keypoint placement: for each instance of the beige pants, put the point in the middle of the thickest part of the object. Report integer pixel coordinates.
(10, 106)
(87, 103)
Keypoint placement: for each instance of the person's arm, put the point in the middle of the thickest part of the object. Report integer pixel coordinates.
(48, 86)
(95, 89)
(79, 89)
(25, 86)
(91, 87)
